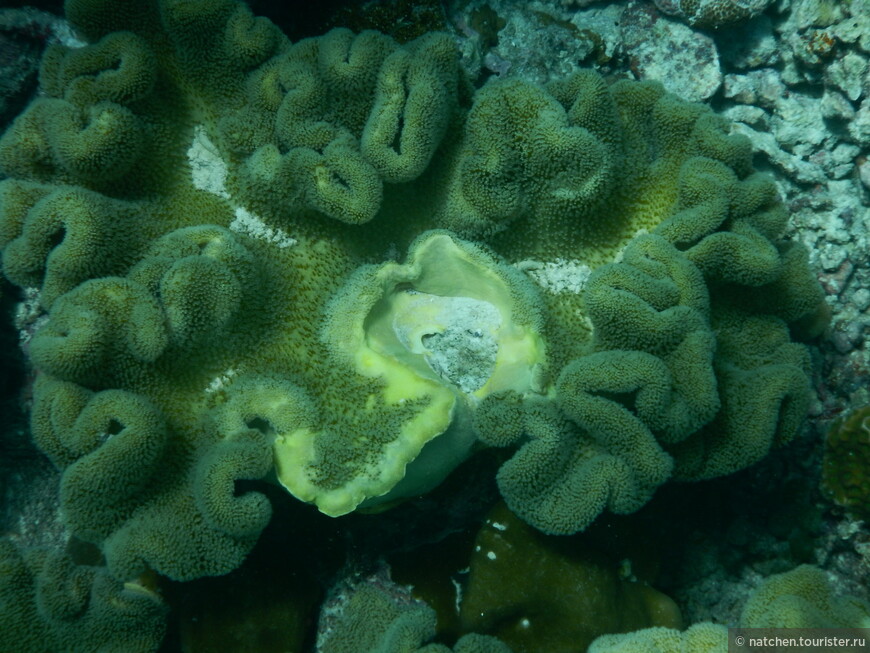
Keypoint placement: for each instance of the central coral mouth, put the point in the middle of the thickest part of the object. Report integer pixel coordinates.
(430, 337)
(454, 315)
(457, 336)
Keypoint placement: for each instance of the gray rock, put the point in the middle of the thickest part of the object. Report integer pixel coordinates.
(836, 106)
(579, 3)
(845, 153)
(603, 21)
(739, 88)
(763, 87)
(817, 13)
(861, 299)
(752, 45)
(837, 234)
(798, 120)
(849, 74)
(792, 166)
(812, 49)
(859, 126)
(864, 173)
(791, 75)
(822, 158)
(684, 61)
(837, 162)
(713, 14)
(832, 257)
(755, 117)
(541, 43)
(23, 35)
(856, 28)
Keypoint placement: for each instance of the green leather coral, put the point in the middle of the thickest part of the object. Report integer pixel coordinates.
(525, 154)
(383, 618)
(391, 324)
(332, 119)
(650, 318)
(846, 465)
(328, 264)
(53, 236)
(699, 638)
(50, 604)
(803, 598)
(673, 349)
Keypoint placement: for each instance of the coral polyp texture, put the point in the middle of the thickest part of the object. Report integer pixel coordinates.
(334, 265)
(52, 604)
(804, 597)
(378, 616)
(846, 466)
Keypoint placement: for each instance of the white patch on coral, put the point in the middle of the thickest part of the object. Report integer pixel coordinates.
(499, 527)
(625, 571)
(222, 381)
(30, 317)
(583, 319)
(457, 587)
(491, 555)
(209, 173)
(207, 169)
(557, 276)
(251, 225)
(640, 232)
(65, 34)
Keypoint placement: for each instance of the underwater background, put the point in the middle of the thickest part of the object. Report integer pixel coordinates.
(481, 559)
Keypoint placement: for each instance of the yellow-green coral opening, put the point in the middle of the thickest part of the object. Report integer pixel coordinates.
(441, 331)
(458, 319)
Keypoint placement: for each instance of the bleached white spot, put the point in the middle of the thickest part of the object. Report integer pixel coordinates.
(557, 276)
(30, 317)
(621, 253)
(208, 172)
(583, 319)
(491, 555)
(66, 35)
(625, 570)
(499, 527)
(207, 169)
(221, 381)
(457, 586)
(525, 623)
(251, 225)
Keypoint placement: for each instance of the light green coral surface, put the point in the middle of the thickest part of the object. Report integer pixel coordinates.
(699, 638)
(380, 617)
(804, 597)
(325, 264)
